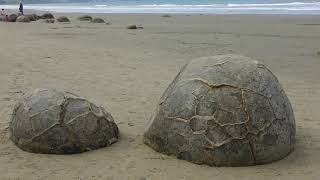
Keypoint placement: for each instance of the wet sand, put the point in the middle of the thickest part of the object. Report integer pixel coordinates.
(126, 71)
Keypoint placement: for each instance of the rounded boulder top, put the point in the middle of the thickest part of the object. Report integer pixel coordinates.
(23, 19)
(98, 20)
(63, 19)
(47, 16)
(132, 26)
(85, 18)
(226, 110)
(55, 122)
(32, 17)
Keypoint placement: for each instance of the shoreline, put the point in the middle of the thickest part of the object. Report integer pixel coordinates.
(126, 71)
(39, 12)
(291, 8)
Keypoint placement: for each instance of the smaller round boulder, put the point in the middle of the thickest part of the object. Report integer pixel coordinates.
(98, 20)
(24, 19)
(85, 18)
(63, 19)
(56, 122)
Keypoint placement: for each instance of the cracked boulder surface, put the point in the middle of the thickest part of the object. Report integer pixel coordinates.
(54, 122)
(226, 110)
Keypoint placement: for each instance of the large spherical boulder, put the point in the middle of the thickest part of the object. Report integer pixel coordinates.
(85, 18)
(225, 110)
(55, 122)
(47, 16)
(98, 20)
(63, 19)
(24, 19)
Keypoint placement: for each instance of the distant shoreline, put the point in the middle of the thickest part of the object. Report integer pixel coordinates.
(294, 8)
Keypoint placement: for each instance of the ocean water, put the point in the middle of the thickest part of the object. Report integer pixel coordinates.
(184, 6)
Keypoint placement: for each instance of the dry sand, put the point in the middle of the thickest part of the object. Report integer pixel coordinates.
(126, 71)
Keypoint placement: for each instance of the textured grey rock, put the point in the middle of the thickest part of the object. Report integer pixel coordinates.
(47, 16)
(132, 26)
(98, 20)
(50, 21)
(166, 15)
(223, 111)
(85, 18)
(24, 19)
(63, 19)
(32, 17)
(54, 122)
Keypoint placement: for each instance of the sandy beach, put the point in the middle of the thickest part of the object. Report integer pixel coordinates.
(126, 71)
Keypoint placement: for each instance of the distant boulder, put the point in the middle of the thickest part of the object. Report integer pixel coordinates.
(2, 18)
(37, 17)
(47, 16)
(166, 15)
(49, 21)
(98, 20)
(132, 26)
(24, 19)
(13, 17)
(85, 18)
(32, 17)
(63, 19)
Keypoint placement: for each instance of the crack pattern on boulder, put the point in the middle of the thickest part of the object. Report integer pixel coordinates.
(54, 122)
(226, 110)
